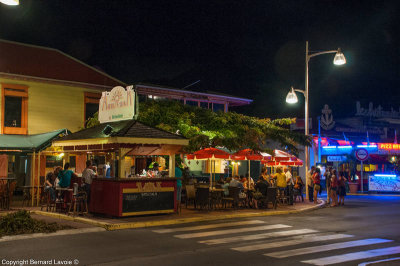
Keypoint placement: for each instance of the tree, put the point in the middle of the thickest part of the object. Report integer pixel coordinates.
(205, 128)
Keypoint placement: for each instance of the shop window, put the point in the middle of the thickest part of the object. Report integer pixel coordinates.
(14, 109)
(218, 107)
(192, 103)
(91, 104)
(204, 105)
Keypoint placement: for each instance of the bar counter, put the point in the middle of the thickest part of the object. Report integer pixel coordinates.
(133, 196)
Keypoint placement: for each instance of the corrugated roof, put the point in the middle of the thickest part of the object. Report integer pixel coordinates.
(127, 128)
(42, 62)
(29, 142)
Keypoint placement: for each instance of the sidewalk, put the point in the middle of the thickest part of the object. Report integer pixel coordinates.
(186, 216)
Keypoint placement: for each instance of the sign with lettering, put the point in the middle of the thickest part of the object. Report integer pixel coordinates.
(388, 146)
(336, 158)
(376, 112)
(118, 104)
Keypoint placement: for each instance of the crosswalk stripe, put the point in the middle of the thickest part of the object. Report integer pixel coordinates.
(257, 236)
(291, 242)
(208, 226)
(315, 249)
(232, 231)
(354, 256)
(379, 261)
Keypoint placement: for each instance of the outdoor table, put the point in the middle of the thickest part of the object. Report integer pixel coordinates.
(8, 179)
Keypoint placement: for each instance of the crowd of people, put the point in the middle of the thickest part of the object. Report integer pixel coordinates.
(61, 177)
(335, 185)
(282, 180)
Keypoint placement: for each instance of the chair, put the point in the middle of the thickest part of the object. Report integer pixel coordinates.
(190, 195)
(203, 197)
(3, 191)
(9, 192)
(272, 196)
(79, 203)
(298, 193)
(233, 197)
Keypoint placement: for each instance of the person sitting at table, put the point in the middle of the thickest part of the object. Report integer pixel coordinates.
(49, 185)
(236, 183)
(225, 186)
(261, 188)
(65, 176)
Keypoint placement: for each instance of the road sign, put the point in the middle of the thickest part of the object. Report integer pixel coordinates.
(361, 154)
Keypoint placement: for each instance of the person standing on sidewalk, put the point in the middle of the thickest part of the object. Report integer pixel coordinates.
(342, 188)
(290, 184)
(87, 177)
(310, 183)
(327, 175)
(334, 188)
(317, 184)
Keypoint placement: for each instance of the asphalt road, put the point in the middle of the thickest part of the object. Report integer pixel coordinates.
(365, 229)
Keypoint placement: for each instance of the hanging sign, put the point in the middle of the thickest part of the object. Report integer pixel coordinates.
(336, 158)
(361, 154)
(117, 105)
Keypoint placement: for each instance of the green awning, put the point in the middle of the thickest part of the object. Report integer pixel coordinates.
(29, 143)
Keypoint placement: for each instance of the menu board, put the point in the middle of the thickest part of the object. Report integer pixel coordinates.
(147, 201)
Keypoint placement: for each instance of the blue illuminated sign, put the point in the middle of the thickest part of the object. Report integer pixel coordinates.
(384, 182)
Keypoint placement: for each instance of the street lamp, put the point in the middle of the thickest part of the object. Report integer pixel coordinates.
(10, 2)
(291, 98)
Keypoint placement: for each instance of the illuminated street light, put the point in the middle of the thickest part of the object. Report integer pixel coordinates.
(339, 58)
(10, 2)
(292, 97)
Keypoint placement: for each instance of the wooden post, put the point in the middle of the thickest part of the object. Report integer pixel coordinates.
(171, 168)
(32, 177)
(38, 181)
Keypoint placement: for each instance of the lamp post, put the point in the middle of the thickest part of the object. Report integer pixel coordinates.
(291, 98)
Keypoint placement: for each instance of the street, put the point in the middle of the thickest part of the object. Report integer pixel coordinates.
(364, 230)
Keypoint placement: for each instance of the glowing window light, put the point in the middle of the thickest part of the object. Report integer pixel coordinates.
(345, 147)
(329, 147)
(367, 146)
(384, 175)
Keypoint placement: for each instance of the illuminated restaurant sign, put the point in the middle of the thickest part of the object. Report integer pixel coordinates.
(117, 105)
(389, 146)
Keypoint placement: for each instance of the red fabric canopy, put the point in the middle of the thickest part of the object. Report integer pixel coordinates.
(283, 156)
(249, 154)
(208, 153)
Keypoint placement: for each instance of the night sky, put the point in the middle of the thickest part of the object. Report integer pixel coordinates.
(252, 49)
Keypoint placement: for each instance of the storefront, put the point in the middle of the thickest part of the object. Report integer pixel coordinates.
(378, 172)
(116, 145)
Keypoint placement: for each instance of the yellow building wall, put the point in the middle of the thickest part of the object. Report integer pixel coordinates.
(52, 107)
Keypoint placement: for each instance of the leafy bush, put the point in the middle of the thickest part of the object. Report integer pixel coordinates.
(21, 222)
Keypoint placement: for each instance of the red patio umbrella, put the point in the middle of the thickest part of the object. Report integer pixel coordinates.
(283, 156)
(209, 154)
(250, 155)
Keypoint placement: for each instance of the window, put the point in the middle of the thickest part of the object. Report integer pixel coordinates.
(218, 107)
(91, 104)
(204, 105)
(14, 109)
(192, 103)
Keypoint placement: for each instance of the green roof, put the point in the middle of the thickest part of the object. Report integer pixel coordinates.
(35, 142)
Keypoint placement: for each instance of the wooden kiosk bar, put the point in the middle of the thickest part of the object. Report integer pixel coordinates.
(120, 190)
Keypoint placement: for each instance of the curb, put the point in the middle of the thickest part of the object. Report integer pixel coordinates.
(132, 225)
(58, 233)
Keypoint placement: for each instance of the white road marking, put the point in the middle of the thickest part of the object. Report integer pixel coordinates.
(354, 256)
(232, 231)
(291, 242)
(209, 226)
(257, 236)
(316, 249)
(378, 261)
